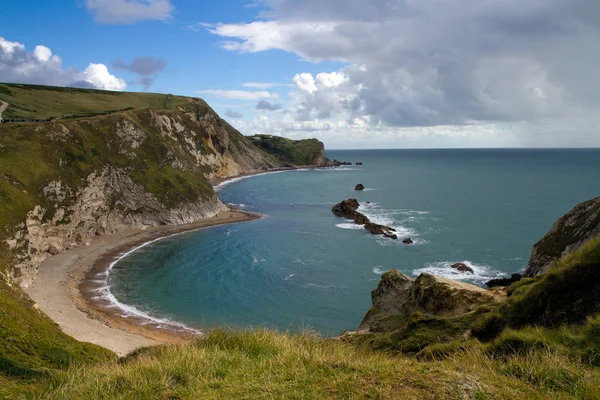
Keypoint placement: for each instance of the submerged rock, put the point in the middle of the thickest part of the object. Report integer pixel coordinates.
(400, 296)
(407, 241)
(359, 163)
(504, 281)
(360, 186)
(462, 267)
(568, 234)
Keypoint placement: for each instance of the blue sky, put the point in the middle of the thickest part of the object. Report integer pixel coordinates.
(353, 73)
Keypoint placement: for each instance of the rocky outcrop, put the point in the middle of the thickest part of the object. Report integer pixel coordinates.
(359, 163)
(504, 281)
(407, 241)
(360, 186)
(347, 209)
(462, 267)
(336, 163)
(399, 296)
(377, 229)
(109, 202)
(568, 234)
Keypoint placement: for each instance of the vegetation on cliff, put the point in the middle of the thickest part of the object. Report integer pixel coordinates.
(32, 345)
(567, 234)
(292, 152)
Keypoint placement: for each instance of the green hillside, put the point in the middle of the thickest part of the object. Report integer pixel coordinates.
(46, 102)
(292, 152)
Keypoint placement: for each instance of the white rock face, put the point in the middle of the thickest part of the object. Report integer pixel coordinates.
(108, 200)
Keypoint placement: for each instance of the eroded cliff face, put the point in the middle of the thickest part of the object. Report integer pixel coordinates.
(568, 234)
(67, 181)
(398, 297)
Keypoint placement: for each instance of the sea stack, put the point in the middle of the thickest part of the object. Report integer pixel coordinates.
(360, 186)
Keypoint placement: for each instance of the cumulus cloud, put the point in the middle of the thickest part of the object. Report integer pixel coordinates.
(265, 105)
(44, 68)
(98, 76)
(146, 68)
(233, 114)
(240, 94)
(129, 11)
(430, 63)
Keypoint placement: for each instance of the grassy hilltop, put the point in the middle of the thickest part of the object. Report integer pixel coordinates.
(543, 342)
(45, 102)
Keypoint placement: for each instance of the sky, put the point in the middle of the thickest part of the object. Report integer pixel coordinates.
(352, 73)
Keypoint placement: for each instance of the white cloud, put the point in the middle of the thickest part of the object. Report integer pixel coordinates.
(44, 68)
(42, 53)
(431, 63)
(129, 11)
(98, 76)
(305, 82)
(8, 48)
(261, 85)
(240, 94)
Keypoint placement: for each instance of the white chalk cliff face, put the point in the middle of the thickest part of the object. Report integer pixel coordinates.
(193, 147)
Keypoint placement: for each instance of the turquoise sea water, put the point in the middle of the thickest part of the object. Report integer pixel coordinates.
(301, 266)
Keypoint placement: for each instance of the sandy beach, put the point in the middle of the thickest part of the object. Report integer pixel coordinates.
(56, 289)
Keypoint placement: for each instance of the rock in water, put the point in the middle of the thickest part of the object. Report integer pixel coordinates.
(359, 163)
(462, 267)
(399, 295)
(504, 281)
(336, 163)
(360, 186)
(346, 208)
(567, 234)
(408, 241)
(377, 229)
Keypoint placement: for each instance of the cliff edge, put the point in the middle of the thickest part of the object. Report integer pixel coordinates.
(568, 234)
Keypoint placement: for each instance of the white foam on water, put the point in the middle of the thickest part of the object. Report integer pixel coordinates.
(481, 273)
(131, 311)
(378, 270)
(256, 260)
(319, 286)
(239, 178)
(290, 276)
(350, 225)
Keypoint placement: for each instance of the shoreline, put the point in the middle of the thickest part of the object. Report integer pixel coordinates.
(216, 183)
(64, 289)
(71, 284)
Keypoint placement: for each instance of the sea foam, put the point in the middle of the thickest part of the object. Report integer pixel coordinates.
(481, 273)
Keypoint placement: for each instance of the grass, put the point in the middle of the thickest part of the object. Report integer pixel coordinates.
(45, 102)
(263, 364)
(568, 293)
(31, 344)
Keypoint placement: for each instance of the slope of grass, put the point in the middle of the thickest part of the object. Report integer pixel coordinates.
(263, 364)
(45, 102)
(31, 344)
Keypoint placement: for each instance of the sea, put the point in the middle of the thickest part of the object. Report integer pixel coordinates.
(302, 268)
